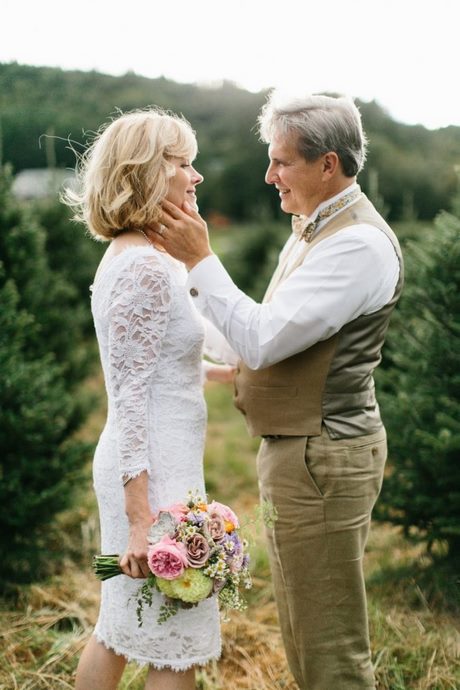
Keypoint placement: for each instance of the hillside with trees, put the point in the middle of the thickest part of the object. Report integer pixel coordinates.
(410, 167)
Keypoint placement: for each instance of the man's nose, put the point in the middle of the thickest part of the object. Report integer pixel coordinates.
(270, 175)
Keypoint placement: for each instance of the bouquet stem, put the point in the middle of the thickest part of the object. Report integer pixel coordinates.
(106, 566)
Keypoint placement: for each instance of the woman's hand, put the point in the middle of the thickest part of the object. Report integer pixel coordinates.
(183, 233)
(140, 518)
(222, 373)
(134, 560)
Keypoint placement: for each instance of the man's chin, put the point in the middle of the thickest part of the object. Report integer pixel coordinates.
(286, 207)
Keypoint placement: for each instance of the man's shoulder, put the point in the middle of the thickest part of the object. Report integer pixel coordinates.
(360, 233)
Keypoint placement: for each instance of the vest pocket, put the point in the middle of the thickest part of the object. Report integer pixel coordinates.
(274, 392)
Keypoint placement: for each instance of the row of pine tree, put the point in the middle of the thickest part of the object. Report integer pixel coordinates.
(47, 351)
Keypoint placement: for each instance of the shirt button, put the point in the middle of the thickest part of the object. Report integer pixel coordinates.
(194, 292)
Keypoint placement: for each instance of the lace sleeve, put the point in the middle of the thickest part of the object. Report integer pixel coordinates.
(138, 318)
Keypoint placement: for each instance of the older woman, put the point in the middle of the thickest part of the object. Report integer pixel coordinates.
(150, 338)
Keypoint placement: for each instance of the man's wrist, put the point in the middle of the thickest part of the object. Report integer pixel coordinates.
(197, 259)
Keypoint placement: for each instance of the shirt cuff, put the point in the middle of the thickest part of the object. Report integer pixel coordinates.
(208, 277)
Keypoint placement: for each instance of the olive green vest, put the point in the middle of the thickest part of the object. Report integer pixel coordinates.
(330, 382)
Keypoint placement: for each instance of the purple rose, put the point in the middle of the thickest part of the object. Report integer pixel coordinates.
(197, 550)
(232, 544)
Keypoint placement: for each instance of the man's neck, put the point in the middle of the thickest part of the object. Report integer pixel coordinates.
(332, 195)
(343, 185)
(340, 190)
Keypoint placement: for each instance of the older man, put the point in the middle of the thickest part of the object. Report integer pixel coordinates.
(305, 382)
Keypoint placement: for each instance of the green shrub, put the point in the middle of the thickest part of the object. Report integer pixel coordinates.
(421, 393)
(41, 407)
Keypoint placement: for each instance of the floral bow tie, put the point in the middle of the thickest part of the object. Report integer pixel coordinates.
(304, 228)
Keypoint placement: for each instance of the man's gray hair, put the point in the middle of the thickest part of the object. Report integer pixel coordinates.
(322, 124)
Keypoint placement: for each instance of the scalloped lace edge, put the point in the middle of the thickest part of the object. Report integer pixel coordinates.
(133, 473)
(174, 666)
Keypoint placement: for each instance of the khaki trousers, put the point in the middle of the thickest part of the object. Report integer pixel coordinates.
(324, 491)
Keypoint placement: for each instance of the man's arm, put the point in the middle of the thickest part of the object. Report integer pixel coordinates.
(353, 272)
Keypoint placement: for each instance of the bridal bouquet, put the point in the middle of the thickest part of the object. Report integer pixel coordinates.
(195, 551)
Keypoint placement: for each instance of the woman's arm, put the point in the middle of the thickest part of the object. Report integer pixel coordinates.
(134, 560)
(138, 318)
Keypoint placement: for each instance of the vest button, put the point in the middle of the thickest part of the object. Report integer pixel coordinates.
(194, 292)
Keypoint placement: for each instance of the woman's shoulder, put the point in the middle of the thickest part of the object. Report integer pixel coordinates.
(131, 260)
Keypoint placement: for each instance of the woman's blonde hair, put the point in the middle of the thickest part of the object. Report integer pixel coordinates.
(124, 174)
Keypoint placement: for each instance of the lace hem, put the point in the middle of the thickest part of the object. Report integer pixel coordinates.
(157, 663)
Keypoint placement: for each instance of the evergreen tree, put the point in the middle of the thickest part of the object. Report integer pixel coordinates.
(72, 254)
(40, 408)
(252, 257)
(414, 165)
(44, 292)
(421, 393)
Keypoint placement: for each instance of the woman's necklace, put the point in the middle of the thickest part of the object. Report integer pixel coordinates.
(145, 235)
(159, 249)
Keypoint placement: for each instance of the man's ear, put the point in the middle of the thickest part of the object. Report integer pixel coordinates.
(331, 164)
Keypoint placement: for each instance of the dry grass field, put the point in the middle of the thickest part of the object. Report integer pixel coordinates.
(413, 617)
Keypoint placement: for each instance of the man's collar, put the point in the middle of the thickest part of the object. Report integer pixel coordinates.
(304, 226)
(334, 199)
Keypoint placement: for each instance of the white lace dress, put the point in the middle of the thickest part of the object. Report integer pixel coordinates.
(150, 339)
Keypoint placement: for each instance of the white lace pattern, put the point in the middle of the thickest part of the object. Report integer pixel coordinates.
(150, 339)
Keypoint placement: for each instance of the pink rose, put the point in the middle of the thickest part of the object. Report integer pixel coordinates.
(216, 527)
(225, 513)
(177, 510)
(167, 558)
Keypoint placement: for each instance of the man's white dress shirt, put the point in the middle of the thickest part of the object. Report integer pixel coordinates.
(353, 272)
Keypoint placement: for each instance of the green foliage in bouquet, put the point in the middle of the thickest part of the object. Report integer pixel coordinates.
(421, 393)
(40, 406)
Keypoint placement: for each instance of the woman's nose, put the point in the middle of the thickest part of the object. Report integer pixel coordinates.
(197, 178)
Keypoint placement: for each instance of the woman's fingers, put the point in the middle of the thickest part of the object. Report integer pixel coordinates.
(134, 567)
(124, 565)
(144, 568)
(221, 373)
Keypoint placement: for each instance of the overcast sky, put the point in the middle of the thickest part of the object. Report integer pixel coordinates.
(403, 53)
